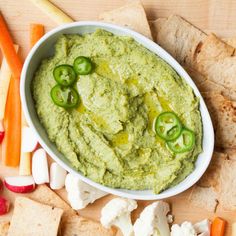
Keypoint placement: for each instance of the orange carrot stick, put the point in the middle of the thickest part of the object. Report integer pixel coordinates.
(36, 32)
(12, 117)
(12, 123)
(218, 227)
(7, 47)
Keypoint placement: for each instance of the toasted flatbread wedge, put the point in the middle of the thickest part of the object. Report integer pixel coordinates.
(212, 176)
(204, 197)
(213, 48)
(230, 41)
(218, 183)
(197, 77)
(156, 25)
(4, 226)
(227, 186)
(215, 59)
(132, 16)
(210, 86)
(33, 218)
(231, 152)
(206, 85)
(223, 114)
(178, 37)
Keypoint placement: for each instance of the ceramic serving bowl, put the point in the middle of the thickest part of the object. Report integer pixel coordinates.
(45, 48)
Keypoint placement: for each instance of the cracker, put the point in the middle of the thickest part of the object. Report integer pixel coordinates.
(33, 218)
(205, 198)
(83, 227)
(178, 37)
(45, 195)
(4, 227)
(70, 222)
(223, 114)
(132, 16)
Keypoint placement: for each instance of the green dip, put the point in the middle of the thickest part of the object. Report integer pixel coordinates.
(109, 138)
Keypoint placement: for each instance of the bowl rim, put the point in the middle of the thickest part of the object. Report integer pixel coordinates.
(166, 57)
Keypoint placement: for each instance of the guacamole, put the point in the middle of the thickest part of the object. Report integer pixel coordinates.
(109, 137)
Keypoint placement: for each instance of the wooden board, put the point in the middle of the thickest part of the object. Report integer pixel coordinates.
(210, 15)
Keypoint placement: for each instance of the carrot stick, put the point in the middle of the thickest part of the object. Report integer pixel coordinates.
(218, 227)
(36, 32)
(7, 47)
(12, 117)
(5, 76)
(12, 124)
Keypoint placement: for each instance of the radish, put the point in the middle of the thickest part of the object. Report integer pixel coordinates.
(57, 176)
(2, 132)
(20, 184)
(29, 140)
(40, 167)
(4, 206)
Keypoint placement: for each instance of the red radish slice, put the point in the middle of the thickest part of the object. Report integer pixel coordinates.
(40, 167)
(29, 140)
(57, 176)
(4, 206)
(20, 184)
(2, 132)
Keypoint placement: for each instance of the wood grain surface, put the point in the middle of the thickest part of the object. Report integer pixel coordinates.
(218, 16)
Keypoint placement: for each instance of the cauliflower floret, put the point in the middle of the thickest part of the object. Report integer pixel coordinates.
(117, 212)
(185, 229)
(153, 220)
(203, 227)
(79, 193)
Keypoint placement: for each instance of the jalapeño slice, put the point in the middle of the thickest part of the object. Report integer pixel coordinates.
(183, 143)
(168, 126)
(64, 75)
(66, 97)
(82, 65)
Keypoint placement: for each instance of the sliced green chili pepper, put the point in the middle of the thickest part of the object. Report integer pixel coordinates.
(66, 97)
(64, 75)
(183, 143)
(82, 65)
(168, 126)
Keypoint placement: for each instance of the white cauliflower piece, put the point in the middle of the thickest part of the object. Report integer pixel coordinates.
(79, 193)
(153, 220)
(203, 227)
(117, 212)
(185, 229)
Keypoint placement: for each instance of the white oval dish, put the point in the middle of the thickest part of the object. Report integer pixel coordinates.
(45, 48)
